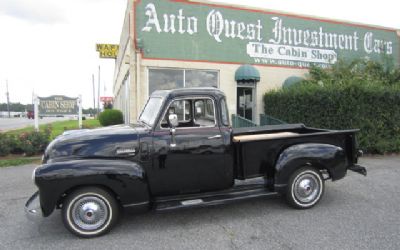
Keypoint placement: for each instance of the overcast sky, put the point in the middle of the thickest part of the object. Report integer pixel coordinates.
(48, 46)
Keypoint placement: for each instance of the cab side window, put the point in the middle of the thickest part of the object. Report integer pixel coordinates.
(182, 108)
(197, 112)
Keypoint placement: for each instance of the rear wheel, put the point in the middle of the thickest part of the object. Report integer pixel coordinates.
(89, 212)
(305, 188)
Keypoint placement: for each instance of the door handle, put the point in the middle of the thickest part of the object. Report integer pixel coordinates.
(214, 137)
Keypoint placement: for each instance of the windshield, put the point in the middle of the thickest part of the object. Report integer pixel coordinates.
(150, 111)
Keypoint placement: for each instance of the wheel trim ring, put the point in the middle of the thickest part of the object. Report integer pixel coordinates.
(83, 232)
(319, 182)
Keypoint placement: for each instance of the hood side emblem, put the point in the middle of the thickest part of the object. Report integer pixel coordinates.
(126, 151)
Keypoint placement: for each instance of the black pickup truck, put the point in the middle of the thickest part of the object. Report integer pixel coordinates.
(184, 153)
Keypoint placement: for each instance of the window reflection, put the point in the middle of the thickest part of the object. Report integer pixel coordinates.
(165, 79)
(200, 78)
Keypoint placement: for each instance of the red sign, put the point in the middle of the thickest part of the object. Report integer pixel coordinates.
(106, 98)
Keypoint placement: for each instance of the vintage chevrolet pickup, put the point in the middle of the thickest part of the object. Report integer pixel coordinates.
(184, 153)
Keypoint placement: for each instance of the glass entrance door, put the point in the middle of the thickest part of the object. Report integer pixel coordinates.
(245, 104)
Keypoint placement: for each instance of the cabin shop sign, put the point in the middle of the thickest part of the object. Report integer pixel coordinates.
(58, 105)
(206, 32)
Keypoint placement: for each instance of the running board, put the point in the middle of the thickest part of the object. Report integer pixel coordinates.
(207, 200)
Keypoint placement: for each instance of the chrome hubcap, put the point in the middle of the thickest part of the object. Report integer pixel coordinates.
(89, 213)
(306, 188)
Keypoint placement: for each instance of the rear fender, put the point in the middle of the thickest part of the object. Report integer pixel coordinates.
(125, 179)
(321, 156)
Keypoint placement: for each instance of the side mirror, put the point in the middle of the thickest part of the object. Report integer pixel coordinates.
(173, 120)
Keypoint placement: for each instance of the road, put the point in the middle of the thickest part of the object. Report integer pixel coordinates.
(355, 213)
(15, 123)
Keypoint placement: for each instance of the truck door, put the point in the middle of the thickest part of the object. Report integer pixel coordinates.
(193, 159)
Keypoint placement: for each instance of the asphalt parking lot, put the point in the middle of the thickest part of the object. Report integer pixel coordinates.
(355, 213)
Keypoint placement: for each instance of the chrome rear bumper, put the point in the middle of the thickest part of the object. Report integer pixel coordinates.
(33, 211)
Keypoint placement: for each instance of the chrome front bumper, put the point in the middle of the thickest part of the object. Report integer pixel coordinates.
(33, 211)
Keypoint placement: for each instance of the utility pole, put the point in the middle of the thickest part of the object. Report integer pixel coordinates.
(98, 95)
(94, 94)
(36, 112)
(80, 112)
(8, 99)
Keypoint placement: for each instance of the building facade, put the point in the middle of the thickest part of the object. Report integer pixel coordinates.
(245, 52)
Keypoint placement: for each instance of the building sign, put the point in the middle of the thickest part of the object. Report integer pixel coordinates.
(106, 98)
(184, 30)
(58, 105)
(107, 50)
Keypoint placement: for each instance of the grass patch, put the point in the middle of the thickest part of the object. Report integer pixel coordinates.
(59, 127)
(17, 160)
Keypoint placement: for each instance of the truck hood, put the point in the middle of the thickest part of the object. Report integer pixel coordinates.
(119, 141)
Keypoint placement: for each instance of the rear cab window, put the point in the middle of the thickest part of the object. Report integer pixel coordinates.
(224, 113)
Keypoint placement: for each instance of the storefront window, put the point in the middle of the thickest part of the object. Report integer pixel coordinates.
(201, 78)
(162, 79)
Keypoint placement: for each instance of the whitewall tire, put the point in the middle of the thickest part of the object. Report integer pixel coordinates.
(305, 188)
(89, 212)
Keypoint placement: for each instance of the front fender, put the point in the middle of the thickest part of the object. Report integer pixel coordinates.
(124, 178)
(321, 156)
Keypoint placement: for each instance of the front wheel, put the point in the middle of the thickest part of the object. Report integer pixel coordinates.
(89, 212)
(305, 188)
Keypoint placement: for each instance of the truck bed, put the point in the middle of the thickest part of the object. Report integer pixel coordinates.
(257, 149)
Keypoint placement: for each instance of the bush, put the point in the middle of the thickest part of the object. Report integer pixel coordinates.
(357, 71)
(32, 143)
(344, 101)
(28, 143)
(111, 117)
(5, 144)
(15, 145)
(9, 144)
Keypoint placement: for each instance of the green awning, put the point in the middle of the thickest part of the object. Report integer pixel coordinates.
(247, 72)
(293, 80)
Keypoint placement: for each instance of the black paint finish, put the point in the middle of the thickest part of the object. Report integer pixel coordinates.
(123, 178)
(142, 165)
